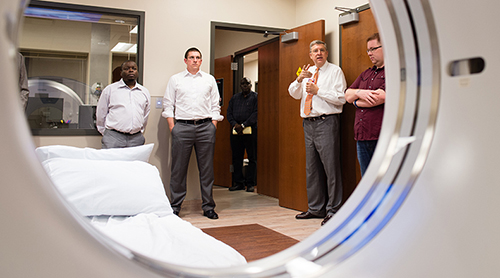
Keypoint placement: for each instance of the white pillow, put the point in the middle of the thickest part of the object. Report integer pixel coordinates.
(103, 187)
(141, 153)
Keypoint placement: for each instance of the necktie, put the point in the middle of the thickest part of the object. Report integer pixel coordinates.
(308, 103)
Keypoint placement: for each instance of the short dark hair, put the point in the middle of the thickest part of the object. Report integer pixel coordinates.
(191, 49)
(246, 79)
(373, 37)
(121, 67)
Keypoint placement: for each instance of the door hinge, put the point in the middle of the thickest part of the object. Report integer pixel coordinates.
(234, 66)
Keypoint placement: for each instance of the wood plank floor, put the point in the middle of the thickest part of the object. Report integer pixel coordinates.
(241, 207)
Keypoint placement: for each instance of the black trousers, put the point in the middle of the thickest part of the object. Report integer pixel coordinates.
(240, 143)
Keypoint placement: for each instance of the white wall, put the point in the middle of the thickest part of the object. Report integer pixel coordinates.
(251, 70)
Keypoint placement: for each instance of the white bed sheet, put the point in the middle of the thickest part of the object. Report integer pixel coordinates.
(132, 191)
(169, 239)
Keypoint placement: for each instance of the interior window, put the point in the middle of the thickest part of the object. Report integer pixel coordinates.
(71, 54)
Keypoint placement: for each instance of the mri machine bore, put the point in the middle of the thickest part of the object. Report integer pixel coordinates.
(425, 208)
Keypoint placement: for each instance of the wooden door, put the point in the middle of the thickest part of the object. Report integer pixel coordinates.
(268, 121)
(222, 156)
(292, 157)
(354, 61)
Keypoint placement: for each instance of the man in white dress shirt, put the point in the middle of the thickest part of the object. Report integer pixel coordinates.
(321, 91)
(191, 106)
(123, 109)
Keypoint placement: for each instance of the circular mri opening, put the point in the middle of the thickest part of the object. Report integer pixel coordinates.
(43, 233)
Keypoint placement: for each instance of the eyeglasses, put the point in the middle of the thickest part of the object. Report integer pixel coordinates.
(373, 49)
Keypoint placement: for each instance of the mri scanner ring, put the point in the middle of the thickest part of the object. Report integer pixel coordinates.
(407, 133)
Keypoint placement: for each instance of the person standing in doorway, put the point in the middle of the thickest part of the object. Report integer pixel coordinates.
(242, 115)
(123, 109)
(321, 91)
(367, 93)
(191, 107)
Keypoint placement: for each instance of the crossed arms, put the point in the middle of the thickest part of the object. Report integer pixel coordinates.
(365, 98)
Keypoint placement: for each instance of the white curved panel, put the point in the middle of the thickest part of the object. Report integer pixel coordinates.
(446, 227)
(425, 208)
(55, 89)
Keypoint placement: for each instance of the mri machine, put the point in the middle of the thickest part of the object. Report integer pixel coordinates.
(427, 206)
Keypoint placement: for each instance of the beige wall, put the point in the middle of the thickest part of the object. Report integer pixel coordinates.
(173, 26)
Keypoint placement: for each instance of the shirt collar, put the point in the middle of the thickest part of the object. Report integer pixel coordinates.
(123, 84)
(375, 68)
(187, 73)
(324, 67)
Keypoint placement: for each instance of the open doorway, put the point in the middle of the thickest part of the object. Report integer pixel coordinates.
(234, 54)
(251, 68)
(281, 153)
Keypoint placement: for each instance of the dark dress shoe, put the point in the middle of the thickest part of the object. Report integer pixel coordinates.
(250, 189)
(237, 187)
(307, 215)
(328, 217)
(176, 212)
(211, 214)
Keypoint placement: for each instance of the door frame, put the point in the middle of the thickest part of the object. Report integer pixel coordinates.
(238, 58)
(235, 27)
(238, 55)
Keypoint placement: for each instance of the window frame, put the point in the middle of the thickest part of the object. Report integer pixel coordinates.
(140, 15)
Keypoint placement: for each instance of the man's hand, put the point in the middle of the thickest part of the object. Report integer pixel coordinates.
(305, 73)
(311, 88)
(239, 129)
(171, 123)
(369, 96)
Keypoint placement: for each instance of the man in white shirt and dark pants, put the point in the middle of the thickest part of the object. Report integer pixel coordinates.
(321, 91)
(191, 106)
(123, 109)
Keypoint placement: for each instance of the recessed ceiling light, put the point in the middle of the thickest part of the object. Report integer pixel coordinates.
(122, 47)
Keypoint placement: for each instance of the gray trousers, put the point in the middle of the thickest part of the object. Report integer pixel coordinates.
(184, 138)
(323, 175)
(114, 139)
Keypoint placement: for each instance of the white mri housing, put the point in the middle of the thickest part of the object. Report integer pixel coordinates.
(427, 206)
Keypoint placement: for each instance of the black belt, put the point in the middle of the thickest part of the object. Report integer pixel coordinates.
(194, 122)
(322, 117)
(125, 133)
